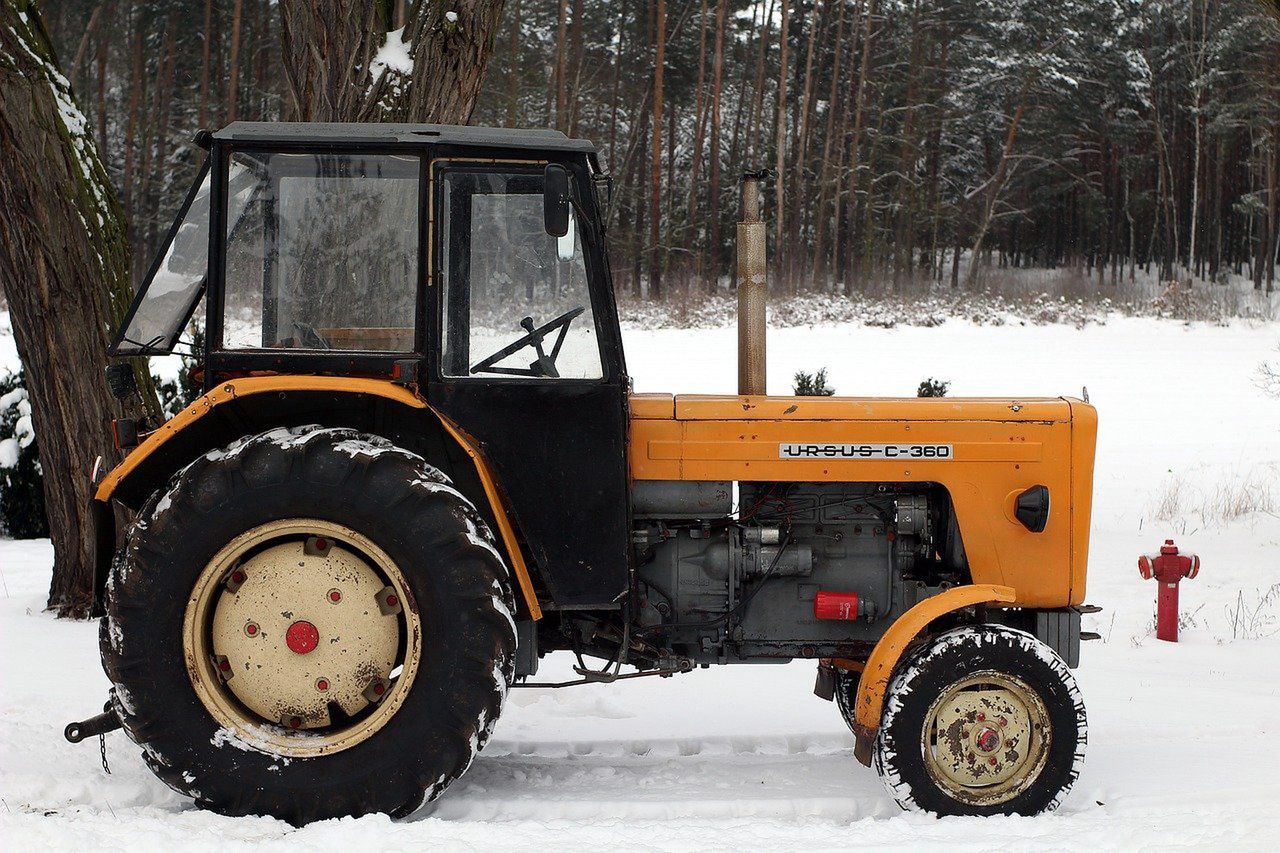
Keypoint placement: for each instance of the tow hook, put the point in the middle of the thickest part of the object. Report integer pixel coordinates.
(107, 721)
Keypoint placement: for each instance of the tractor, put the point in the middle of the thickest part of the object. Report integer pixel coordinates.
(418, 466)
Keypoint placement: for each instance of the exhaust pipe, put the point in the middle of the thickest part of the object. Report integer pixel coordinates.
(752, 290)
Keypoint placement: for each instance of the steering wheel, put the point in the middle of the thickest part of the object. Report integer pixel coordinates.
(545, 363)
(309, 337)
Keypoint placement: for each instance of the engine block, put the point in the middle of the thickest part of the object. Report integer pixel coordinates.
(793, 570)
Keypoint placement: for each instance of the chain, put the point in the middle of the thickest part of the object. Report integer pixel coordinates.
(102, 748)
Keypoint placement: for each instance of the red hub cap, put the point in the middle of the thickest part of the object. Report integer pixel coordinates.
(302, 637)
(988, 739)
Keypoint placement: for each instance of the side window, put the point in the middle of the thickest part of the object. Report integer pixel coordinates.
(322, 252)
(168, 295)
(516, 299)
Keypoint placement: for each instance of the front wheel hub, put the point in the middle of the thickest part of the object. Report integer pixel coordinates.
(290, 620)
(986, 738)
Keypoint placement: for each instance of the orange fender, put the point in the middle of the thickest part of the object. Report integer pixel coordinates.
(237, 388)
(884, 658)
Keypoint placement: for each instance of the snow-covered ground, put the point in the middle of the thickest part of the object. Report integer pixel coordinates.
(1184, 740)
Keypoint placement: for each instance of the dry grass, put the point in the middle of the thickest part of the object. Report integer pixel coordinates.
(1256, 616)
(1169, 500)
(1239, 496)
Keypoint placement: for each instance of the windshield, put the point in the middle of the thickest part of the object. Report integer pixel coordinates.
(322, 253)
(168, 296)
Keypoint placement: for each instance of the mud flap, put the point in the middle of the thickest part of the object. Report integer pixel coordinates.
(824, 686)
(862, 743)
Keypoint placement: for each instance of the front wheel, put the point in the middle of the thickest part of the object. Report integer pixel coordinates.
(308, 624)
(982, 720)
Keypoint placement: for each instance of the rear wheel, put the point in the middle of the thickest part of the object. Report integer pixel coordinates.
(310, 623)
(982, 720)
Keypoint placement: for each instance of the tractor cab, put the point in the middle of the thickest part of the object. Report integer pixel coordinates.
(466, 262)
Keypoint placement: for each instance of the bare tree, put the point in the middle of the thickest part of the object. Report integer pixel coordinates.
(717, 78)
(65, 283)
(336, 68)
(562, 76)
(655, 176)
(780, 149)
(233, 64)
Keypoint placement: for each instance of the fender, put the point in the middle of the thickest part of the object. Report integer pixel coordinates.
(237, 388)
(869, 704)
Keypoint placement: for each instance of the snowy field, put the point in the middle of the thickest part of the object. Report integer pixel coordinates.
(1184, 740)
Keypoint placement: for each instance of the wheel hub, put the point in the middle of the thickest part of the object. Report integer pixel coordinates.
(297, 639)
(302, 637)
(986, 738)
(285, 633)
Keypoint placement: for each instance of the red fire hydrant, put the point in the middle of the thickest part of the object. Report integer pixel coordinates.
(1168, 568)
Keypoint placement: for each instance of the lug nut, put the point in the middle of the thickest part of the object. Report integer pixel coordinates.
(335, 595)
(992, 761)
(237, 576)
(1003, 722)
(392, 601)
(379, 688)
(224, 665)
(295, 722)
(251, 629)
(981, 716)
(322, 684)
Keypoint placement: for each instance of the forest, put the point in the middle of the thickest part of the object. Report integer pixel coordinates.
(1073, 152)
(1109, 138)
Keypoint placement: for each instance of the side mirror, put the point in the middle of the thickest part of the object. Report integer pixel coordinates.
(555, 200)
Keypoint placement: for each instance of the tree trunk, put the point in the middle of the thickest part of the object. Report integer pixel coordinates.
(65, 284)
(713, 211)
(131, 122)
(800, 144)
(577, 53)
(207, 38)
(328, 48)
(233, 63)
(780, 150)
(757, 108)
(513, 64)
(855, 144)
(655, 171)
(562, 76)
(824, 173)
(101, 94)
(695, 163)
(993, 191)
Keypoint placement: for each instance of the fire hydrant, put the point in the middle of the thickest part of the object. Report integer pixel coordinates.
(1168, 568)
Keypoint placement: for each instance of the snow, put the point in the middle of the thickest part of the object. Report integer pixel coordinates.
(393, 55)
(8, 452)
(8, 347)
(1183, 739)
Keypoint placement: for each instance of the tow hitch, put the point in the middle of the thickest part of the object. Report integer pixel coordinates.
(107, 721)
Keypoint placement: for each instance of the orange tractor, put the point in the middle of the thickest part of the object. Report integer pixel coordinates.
(418, 467)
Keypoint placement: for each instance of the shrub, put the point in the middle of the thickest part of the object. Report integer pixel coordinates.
(176, 395)
(22, 513)
(813, 384)
(933, 388)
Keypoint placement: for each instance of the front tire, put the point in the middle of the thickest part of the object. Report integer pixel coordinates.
(399, 610)
(982, 720)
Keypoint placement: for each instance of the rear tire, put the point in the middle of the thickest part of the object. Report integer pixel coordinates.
(982, 720)
(459, 601)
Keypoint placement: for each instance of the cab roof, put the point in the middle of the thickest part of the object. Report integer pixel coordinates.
(389, 133)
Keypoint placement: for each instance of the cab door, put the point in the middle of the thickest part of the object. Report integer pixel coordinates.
(526, 358)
